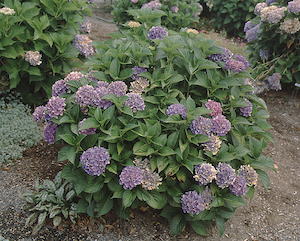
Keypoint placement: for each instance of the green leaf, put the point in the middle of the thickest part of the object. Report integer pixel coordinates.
(250, 192)
(156, 200)
(114, 68)
(70, 195)
(89, 123)
(166, 151)
(105, 205)
(57, 221)
(220, 222)
(263, 176)
(177, 224)
(94, 185)
(233, 201)
(69, 139)
(199, 227)
(128, 198)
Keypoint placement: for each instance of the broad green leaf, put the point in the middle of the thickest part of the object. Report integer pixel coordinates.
(177, 224)
(128, 198)
(263, 176)
(220, 222)
(199, 227)
(105, 205)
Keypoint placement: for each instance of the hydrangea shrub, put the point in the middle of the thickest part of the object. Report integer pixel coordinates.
(39, 42)
(273, 43)
(175, 14)
(163, 127)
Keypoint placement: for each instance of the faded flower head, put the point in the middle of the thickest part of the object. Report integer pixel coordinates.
(83, 44)
(86, 132)
(56, 106)
(192, 202)
(225, 175)
(49, 133)
(290, 26)
(7, 11)
(137, 70)
(151, 180)
(238, 187)
(235, 66)
(265, 12)
(135, 102)
(214, 106)
(133, 24)
(205, 173)
(99, 92)
(39, 114)
(225, 56)
(59, 87)
(246, 111)
(130, 177)
(176, 109)
(174, 9)
(117, 88)
(94, 160)
(153, 5)
(74, 75)
(264, 54)
(249, 174)
(33, 57)
(134, 1)
(191, 30)
(276, 15)
(259, 7)
(207, 198)
(213, 145)
(201, 125)
(86, 26)
(294, 6)
(274, 81)
(242, 59)
(139, 85)
(85, 95)
(156, 32)
(221, 125)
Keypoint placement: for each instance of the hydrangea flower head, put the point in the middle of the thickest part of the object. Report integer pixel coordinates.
(205, 173)
(238, 187)
(214, 106)
(59, 87)
(191, 30)
(130, 177)
(85, 95)
(269, 2)
(264, 54)
(246, 111)
(56, 106)
(33, 57)
(249, 174)
(7, 11)
(274, 81)
(192, 202)
(225, 56)
(153, 5)
(133, 24)
(83, 44)
(248, 25)
(135, 102)
(201, 125)
(252, 33)
(137, 70)
(174, 9)
(39, 113)
(207, 198)
(74, 75)
(276, 15)
(265, 12)
(90, 76)
(102, 84)
(88, 131)
(86, 26)
(242, 59)
(156, 32)
(134, 1)
(49, 133)
(117, 88)
(294, 6)
(139, 85)
(176, 109)
(259, 7)
(213, 145)
(151, 180)
(235, 66)
(225, 175)
(99, 92)
(94, 160)
(221, 125)
(290, 26)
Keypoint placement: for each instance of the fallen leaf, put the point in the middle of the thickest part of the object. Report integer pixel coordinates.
(276, 167)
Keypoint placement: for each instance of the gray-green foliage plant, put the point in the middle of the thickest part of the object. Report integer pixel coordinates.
(52, 199)
(2, 238)
(137, 128)
(18, 130)
(47, 28)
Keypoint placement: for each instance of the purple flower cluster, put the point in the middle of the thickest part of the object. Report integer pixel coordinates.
(246, 111)
(56, 106)
(156, 32)
(134, 1)
(99, 92)
(49, 133)
(117, 88)
(94, 160)
(294, 6)
(248, 25)
(83, 44)
(264, 54)
(192, 202)
(135, 102)
(213, 145)
(202, 125)
(90, 76)
(238, 187)
(221, 125)
(59, 87)
(75, 75)
(225, 175)
(39, 114)
(225, 56)
(252, 33)
(249, 174)
(130, 177)
(207, 198)
(235, 66)
(88, 131)
(242, 59)
(85, 95)
(153, 5)
(176, 109)
(214, 106)
(269, 2)
(205, 173)
(33, 57)
(137, 70)
(174, 9)
(86, 26)
(274, 81)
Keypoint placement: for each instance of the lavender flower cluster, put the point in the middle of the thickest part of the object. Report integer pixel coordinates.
(246, 111)
(225, 175)
(153, 5)
(130, 177)
(249, 174)
(137, 70)
(174, 9)
(156, 32)
(264, 54)
(176, 109)
(294, 6)
(225, 56)
(135, 102)
(251, 31)
(49, 133)
(83, 44)
(86, 26)
(238, 187)
(215, 107)
(94, 160)
(274, 81)
(33, 57)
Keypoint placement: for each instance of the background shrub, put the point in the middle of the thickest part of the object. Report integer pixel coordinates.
(36, 43)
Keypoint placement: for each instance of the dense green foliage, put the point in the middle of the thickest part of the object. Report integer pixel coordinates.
(46, 26)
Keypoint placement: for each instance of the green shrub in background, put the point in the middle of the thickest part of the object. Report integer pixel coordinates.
(18, 130)
(273, 43)
(231, 15)
(178, 14)
(36, 43)
(162, 119)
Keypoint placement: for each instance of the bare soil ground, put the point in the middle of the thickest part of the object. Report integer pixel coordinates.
(272, 214)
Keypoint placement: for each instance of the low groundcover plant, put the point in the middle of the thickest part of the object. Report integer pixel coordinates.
(164, 119)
